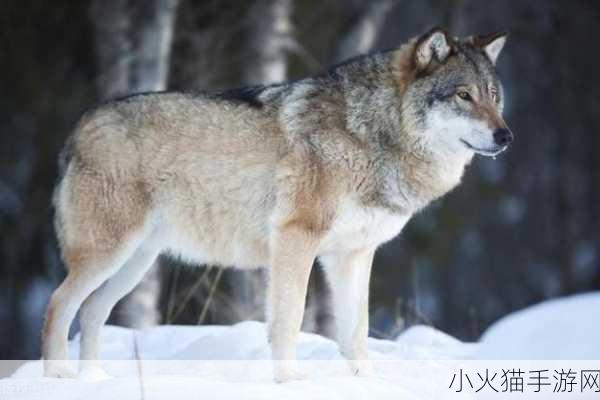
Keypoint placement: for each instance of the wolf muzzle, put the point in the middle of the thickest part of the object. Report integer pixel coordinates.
(503, 137)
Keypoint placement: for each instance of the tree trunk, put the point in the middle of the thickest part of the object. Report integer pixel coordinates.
(267, 50)
(269, 42)
(133, 42)
(364, 22)
(363, 28)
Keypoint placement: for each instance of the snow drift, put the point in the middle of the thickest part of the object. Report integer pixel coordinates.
(231, 362)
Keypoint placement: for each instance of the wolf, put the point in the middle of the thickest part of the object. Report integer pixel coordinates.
(327, 167)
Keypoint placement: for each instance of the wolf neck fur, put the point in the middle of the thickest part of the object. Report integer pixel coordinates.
(412, 174)
(422, 175)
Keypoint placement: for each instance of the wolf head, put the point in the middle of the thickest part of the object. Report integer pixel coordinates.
(455, 101)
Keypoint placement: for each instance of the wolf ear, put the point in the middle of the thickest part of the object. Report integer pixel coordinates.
(432, 46)
(491, 44)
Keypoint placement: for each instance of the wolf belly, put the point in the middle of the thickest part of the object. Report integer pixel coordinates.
(225, 245)
(223, 226)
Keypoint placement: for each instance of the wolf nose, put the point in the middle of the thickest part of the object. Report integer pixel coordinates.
(503, 137)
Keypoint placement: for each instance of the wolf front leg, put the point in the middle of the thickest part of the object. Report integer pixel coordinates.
(293, 251)
(348, 274)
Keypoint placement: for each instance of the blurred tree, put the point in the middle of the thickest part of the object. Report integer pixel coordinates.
(361, 25)
(266, 59)
(133, 46)
(40, 58)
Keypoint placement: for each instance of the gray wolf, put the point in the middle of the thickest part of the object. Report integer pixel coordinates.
(327, 167)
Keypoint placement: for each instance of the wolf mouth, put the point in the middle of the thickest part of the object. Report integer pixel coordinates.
(485, 152)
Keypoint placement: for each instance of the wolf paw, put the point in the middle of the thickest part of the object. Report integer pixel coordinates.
(59, 370)
(362, 368)
(93, 374)
(285, 373)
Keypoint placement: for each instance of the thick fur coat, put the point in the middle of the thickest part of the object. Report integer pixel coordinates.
(328, 167)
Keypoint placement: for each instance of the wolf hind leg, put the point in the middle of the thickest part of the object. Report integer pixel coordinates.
(97, 307)
(101, 219)
(85, 275)
(348, 274)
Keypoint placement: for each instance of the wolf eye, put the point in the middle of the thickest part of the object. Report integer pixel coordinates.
(495, 97)
(464, 95)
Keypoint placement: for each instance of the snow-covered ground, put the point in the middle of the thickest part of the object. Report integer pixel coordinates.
(562, 329)
(218, 362)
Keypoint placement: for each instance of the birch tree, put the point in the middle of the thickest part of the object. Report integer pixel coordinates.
(269, 43)
(133, 42)
(363, 27)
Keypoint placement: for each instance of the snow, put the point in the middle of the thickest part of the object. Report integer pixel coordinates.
(561, 329)
(232, 362)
